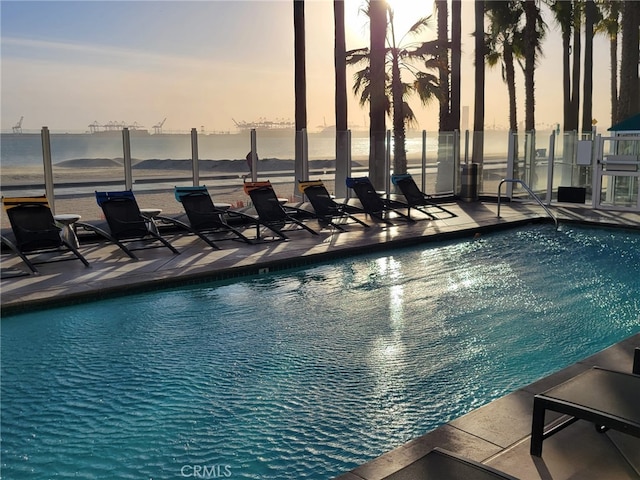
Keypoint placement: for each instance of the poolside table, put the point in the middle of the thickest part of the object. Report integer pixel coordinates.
(150, 214)
(68, 233)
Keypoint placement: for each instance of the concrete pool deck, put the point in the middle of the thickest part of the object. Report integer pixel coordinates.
(496, 434)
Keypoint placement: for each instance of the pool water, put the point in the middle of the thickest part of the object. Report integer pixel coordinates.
(306, 373)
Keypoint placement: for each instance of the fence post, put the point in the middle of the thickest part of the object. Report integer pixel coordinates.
(126, 150)
(254, 156)
(424, 160)
(195, 166)
(511, 154)
(551, 157)
(48, 168)
(387, 164)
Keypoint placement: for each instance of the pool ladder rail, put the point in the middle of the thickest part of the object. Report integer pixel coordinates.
(530, 192)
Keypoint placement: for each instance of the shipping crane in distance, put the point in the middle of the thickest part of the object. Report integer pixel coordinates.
(157, 128)
(17, 128)
(94, 127)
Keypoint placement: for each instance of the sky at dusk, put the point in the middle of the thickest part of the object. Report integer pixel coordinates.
(201, 64)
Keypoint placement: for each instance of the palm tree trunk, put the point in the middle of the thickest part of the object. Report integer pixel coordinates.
(399, 152)
(531, 13)
(566, 81)
(510, 75)
(478, 107)
(587, 105)
(378, 99)
(575, 81)
(443, 63)
(340, 62)
(300, 86)
(613, 83)
(456, 61)
(629, 101)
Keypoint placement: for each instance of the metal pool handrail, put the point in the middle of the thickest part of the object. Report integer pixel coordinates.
(533, 195)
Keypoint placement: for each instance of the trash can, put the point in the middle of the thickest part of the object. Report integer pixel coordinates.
(469, 182)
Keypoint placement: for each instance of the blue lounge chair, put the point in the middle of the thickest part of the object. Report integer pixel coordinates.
(417, 199)
(204, 219)
(124, 225)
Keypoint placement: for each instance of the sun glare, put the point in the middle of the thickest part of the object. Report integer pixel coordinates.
(408, 12)
(405, 12)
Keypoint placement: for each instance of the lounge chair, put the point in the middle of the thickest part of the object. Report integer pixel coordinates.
(34, 231)
(415, 198)
(270, 210)
(203, 218)
(124, 224)
(327, 210)
(608, 398)
(440, 464)
(372, 203)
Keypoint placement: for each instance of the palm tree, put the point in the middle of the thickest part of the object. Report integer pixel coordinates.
(379, 103)
(575, 77)
(534, 31)
(399, 57)
(443, 62)
(300, 83)
(629, 99)
(340, 62)
(456, 60)
(449, 72)
(563, 14)
(504, 45)
(478, 106)
(591, 18)
(610, 26)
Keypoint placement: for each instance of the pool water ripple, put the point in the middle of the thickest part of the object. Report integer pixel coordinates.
(310, 372)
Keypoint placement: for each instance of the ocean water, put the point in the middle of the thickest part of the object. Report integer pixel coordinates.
(306, 373)
(26, 149)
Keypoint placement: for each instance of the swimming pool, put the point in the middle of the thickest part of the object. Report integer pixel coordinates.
(307, 373)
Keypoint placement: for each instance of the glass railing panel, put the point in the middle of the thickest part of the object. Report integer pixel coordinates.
(494, 165)
(445, 164)
(619, 191)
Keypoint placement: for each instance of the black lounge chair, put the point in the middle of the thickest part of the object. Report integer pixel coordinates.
(327, 210)
(203, 218)
(416, 198)
(124, 224)
(608, 398)
(372, 203)
(34, 232)
(271, 212)
(440, 464)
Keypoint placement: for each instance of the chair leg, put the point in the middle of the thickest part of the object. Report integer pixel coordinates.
(537, 428)
(76, 253)
(103, 233)
(366, 225)
(239, 234)
(164, 242)
(333, 224)
(24, 258)
(301, 224)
